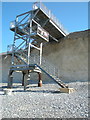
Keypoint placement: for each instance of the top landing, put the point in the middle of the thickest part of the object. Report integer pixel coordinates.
(41, 18)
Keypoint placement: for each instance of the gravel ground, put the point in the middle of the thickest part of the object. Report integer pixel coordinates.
(45, 102)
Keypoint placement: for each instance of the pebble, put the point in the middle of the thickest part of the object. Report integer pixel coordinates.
(38, 104)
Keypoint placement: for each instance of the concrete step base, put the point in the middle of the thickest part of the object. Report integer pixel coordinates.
(8, 91)
(66, 90)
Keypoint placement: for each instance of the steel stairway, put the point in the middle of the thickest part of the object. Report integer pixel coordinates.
(46, 67)
(31, 30)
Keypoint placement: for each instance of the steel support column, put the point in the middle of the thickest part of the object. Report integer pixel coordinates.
(41, 53)
(23, 78)
(10, 79)
(40, 80)
(25, 81)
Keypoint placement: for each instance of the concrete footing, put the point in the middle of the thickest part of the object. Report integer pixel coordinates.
(8, 91)
(66, 90)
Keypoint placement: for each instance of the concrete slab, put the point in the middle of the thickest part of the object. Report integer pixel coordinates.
(7, 91)
(66, 90)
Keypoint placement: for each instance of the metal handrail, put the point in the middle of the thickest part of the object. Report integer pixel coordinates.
(46, 65)
(51, 16)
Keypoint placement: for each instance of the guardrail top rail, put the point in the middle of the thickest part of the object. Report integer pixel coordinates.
(50, 15)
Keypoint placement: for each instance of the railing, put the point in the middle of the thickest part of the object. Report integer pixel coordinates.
(51, 16)
(46, 65)
(12, 24)
(9, 48)
(34, 59)
(52, 70)
(48, 13)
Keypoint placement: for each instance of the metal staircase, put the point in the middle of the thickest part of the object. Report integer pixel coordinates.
(49, 69)
(32, 30)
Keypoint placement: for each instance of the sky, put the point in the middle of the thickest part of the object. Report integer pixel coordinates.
(73, 15)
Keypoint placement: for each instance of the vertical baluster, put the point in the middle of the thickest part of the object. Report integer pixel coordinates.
(34, 59)
(58, 73)
(54, 71)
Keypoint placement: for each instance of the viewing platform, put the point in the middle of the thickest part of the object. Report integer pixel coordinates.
(42, 19)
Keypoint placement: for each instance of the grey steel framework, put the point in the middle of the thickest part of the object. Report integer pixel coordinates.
(32, 30)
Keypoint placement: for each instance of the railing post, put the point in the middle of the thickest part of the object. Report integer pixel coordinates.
(54, 71)
(13, 54)
(29, 39)
(29, 53)
(41, 53)
(58, 73)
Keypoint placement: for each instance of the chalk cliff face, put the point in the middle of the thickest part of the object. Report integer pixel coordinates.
(70, 56)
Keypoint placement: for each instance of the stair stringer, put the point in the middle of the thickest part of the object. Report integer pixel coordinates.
(60, 84)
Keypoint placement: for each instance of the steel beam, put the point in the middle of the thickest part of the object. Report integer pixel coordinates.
(35, 47)
(41, 53)
(23, 74)
(10, 79)
(26, 13)
(23, 19)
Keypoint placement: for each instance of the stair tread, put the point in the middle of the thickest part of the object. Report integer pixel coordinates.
(44, 68)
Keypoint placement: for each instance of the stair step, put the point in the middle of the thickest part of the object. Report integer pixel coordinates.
(49, 70)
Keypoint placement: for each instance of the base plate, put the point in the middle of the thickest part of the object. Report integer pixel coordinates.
(66, 90)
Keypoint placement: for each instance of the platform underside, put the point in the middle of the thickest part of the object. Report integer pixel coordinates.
(25, 68)
(46, 23)
(49, 24)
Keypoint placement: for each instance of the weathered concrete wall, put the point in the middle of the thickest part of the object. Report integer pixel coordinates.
(6, 63)
(70, 56)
